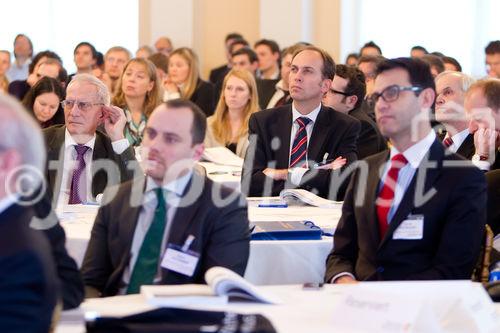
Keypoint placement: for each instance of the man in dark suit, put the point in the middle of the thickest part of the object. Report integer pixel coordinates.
(217, 74)
(450, 112)
(483, 105)
(80, 150)
(345, 95)
(28, 283)
(196, 224)
(414, 212)
(286, 141)
(493, 180)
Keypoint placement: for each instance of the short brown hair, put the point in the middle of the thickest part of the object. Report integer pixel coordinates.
(199, 125)
(491, 91)
(328, 69)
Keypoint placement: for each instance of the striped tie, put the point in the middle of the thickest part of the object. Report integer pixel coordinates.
(298, 156)
(447, 142)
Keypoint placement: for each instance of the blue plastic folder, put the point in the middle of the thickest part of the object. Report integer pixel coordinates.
(285, 230)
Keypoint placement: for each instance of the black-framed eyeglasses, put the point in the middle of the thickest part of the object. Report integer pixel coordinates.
(333, 91)
(83, 106)
(391, 93)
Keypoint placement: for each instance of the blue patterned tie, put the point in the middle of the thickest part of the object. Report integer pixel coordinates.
(298, 156)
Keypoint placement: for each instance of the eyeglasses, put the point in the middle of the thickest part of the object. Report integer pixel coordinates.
(391, 93)
(333, 91)
(83, 106)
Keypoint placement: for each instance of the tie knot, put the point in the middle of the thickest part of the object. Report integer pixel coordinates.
(303, 121)
(447, 142)
(398, 161)
(81, 149)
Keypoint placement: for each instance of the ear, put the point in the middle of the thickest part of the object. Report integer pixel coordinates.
(151, 85)
(199, 148)
(351, 101)
(255, 65)
(325, 85)
(427, 97)
(276, 56)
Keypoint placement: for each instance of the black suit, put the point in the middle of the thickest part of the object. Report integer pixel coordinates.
(217, 74)
(466, 149)
(493, 211)
(453, 227)
(265, 89)
(28, 287)
(333, 133)
(222, 237)
(370, 140)
(204, 97)
(103, 149)
(19, 89)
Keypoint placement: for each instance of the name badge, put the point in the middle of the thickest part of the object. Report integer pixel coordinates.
(181, 259)
(412, 228)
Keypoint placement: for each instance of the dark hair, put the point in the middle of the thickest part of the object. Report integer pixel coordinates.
(492, 47)
(370, 44)
(269, 43)
(252, 56)
(29, 41)
(355, 81)
(99, 59)
(328, 69)
(238, 41)
(352, 55)
(233, 35)
(46, 85)
(434, 61)
(92, 48)
(419, 48)
(292, 49)
(40, 55)
(199, 126)
(452, 61)
(376, 60)
(160, 60)
(418, 71)
(437, 53)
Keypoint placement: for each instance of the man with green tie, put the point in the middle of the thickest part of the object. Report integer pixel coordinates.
(172, 225)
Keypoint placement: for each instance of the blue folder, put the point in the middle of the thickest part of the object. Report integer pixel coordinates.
(285, 230)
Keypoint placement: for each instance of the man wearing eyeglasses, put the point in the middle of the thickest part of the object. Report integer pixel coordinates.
(345, 95)
(418, 212)
(87, 160)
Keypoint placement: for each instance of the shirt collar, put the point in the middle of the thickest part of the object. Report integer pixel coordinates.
(176, 186)
(459, 138)
(279, 85)
(415, 154)
(69, 141)
(312, 115)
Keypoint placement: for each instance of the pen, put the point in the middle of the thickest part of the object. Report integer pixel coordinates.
(218, 173)
(324, 162)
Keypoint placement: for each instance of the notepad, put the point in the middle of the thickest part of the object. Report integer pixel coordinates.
(285, 230)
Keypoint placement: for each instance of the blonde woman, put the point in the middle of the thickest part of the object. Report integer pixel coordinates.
(184, 81)
(138, 94)
(229, 125)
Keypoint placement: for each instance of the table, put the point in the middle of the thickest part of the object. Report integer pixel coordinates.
(270, 262)
(227, 175)
(301, 311)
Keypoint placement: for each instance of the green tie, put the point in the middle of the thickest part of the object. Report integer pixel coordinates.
(146, 264)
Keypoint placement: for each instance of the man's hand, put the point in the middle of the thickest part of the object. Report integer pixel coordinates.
(346, 279)
(485, 141)
(114, 120)
(276, 174)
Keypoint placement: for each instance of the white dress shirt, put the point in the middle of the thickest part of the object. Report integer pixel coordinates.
(174, 191)
(8, 201)
(297, 173)
(70, 165)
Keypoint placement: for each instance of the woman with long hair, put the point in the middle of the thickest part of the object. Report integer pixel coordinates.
(138, 95)
(184, 81)
(229, 125)
(43, 101)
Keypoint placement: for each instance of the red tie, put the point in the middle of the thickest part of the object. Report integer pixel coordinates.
(386, 195)
(447, 142)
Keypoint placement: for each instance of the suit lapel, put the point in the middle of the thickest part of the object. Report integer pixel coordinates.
(99, 152)
(467, 148)
(283, 129)
(55, 152)
(428, 175)
(320, 132)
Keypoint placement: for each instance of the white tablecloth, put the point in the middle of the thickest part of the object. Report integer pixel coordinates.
(270, 262)
(308, 311)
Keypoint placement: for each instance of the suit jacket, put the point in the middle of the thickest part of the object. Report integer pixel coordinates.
(19, 89)
(217, 74)
(454, 219)
(370, 140)
(221, 236)
(493, 210)
(28, 284)
(334, 133)
(204, 97)
(265, 89)
(466, 149)
(103, 149)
